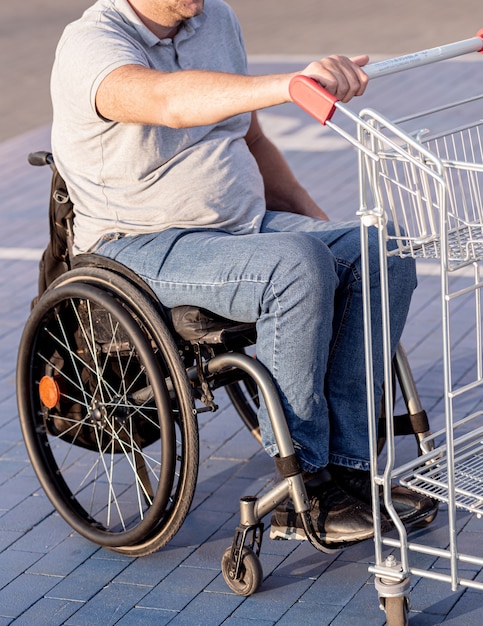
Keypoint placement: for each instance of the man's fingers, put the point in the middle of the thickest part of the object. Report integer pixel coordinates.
(360, 60)
(342, 77)
(352, 78)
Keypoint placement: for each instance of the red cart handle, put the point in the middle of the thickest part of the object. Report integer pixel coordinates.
(312, 98)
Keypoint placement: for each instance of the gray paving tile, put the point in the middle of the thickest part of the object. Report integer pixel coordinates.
(65, 557)
(338, 584)
(85, 581)
(150, 570)
(211, 609)
(233, 621)
(437, 600)
(28, 513)
(309, 614)
(178, 588)
(109, 605)
(20, 594)
(48, 612)
(276, 596)
(361, 610)
(146, 617)
(13, 563)
(45, 535)
(7, 539)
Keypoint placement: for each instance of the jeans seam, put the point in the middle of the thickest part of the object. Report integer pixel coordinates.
(348, 302)
(276, 338)
(201, 284)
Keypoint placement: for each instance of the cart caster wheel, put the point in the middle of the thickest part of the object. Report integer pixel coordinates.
(251, 573)
(397, 611)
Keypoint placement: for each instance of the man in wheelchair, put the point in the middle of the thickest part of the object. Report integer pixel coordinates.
(156, 135)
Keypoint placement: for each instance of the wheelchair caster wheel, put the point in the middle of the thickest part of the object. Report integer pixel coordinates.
(250, 575)
(397, 610)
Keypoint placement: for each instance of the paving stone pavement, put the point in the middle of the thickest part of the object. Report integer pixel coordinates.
(49, 575)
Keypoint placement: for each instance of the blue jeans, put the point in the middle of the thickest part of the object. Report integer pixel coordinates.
(300, 281)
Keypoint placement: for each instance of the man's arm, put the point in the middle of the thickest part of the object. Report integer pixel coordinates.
(136, 94)
(282, 190)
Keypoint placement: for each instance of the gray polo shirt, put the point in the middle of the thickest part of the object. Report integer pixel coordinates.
(132, 178)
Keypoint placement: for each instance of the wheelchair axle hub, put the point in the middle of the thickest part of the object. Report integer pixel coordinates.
(97, 414)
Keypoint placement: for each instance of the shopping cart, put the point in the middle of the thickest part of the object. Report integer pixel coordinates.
(429, 184)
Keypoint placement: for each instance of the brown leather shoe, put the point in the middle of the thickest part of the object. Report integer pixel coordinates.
(339, 519)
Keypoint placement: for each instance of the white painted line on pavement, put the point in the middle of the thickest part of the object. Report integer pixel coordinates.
(21, 254)
(432, 268)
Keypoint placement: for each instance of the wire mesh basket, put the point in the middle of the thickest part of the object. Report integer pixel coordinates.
(430, 187)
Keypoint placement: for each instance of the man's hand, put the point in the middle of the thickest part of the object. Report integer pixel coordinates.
(341, 76)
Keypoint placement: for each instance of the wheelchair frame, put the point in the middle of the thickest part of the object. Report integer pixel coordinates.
(107, 380)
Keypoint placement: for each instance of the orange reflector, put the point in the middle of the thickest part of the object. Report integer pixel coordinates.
(49, 391)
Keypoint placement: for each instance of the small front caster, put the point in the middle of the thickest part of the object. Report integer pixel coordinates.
(394, 593)
(250, 572)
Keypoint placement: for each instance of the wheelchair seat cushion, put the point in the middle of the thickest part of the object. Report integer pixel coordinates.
(199, 326)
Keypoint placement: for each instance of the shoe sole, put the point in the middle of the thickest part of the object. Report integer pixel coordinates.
(288, 534)
(298, 534)
(421, 519)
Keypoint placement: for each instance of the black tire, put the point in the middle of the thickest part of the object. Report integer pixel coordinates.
(117, 451)
(397, 611)
(251, 573)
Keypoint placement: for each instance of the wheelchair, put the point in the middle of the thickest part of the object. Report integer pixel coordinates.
(109, 387)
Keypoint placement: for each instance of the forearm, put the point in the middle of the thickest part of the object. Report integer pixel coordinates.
(183, 99)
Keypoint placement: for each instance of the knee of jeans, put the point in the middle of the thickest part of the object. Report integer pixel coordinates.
(309, 261)
(402, 273)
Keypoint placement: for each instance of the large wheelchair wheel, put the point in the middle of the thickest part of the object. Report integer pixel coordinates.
(107, 412)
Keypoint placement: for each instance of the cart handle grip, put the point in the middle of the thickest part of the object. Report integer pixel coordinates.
(318, 102)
